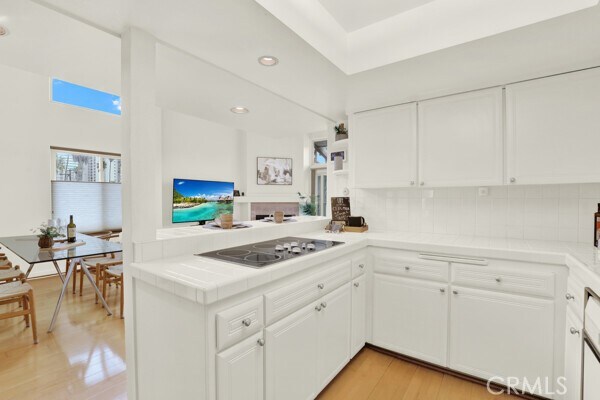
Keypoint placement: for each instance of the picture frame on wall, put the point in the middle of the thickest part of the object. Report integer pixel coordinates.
(274, 171)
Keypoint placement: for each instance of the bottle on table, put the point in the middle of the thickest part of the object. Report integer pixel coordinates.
(71, 235)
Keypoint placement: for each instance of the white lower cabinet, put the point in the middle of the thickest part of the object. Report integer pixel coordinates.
(410, 316)
(502, 335)
(240, 370)
(333, 335)
(305, 350)
(573, 357)
(359, 314)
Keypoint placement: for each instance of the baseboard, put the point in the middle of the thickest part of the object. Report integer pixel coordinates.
(452, 372)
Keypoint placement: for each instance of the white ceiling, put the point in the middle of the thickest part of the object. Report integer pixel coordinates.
(47, 43)
(231, 34)
(430, 27)
(356, 14)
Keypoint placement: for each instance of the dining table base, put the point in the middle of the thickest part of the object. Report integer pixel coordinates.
(72, 265)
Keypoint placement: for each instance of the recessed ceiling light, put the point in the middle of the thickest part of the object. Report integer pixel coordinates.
(268, 61)
(3, 31)
(240, 110)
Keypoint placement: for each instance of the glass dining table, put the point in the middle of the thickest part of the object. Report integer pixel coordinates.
(26, 247)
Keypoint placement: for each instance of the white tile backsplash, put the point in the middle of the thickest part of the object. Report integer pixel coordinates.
(539, 212)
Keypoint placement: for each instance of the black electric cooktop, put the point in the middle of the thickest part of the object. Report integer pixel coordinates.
(262, 254)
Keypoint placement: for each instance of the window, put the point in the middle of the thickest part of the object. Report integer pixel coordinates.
(81, 96)
(320, 152)
(82, 166)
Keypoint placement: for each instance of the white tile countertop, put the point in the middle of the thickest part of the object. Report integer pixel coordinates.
(206, 281)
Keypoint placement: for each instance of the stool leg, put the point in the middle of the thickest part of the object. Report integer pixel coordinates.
(122, 297)
(25, 308)
(75, 279)
(33, 319)
(98, 272)
(81, 284)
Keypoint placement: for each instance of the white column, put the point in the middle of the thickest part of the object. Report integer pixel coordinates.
(142, 172)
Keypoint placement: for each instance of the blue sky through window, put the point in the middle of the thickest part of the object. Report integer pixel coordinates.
(81, 96)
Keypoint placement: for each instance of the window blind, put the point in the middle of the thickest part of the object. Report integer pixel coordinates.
(94, 206)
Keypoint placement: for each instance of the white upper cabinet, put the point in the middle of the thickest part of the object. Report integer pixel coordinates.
(553, 129)
(384, 147)
(460, 139)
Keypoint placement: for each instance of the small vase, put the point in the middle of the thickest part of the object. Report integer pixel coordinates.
(46, 242)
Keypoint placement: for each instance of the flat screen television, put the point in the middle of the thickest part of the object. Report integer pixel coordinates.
(201, 201)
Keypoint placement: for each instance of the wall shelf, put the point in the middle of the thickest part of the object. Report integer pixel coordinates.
(341, 172)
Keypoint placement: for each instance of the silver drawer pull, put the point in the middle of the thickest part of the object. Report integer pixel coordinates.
(569, 296)
(321, 286)
(318, 308)
(260, 342)
(356, 284)
(442, 290)
(498, 279)
(455, 291)
(361, 266)
(247, 322)
(324, 304)
(407, 268)
(574, 331)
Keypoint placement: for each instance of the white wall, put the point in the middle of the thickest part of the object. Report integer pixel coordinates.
(539, 212)
(194, 148)
(30, 124)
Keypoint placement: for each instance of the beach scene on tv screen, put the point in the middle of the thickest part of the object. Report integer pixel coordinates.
(201, 200)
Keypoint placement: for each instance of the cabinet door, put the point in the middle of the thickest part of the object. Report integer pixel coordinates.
(291, 356)
(502, 335)
(240, 370)
(334, 334)
(460, 139)
(573, 357)
(553, 127)
(359, 309)
(384, 147)
(411, 317)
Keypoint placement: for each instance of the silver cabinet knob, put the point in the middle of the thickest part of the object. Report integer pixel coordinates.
(512, 180)
(247, 322)
(321, 286)
(324, 304)
(412, 183)
(442, 290)
(455, 291)
(574, 331)
(498, 279)
(260, 342)
(422, 183)
(407, 268)
(569, 296)
(356, 284)
(318, 307)
(361, 266)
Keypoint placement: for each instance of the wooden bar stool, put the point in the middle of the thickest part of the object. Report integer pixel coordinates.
(20, 292)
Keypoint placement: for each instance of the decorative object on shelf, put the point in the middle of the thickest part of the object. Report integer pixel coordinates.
(334, 227)
(338, 163)
(597, 227)
(236, 193)
(225, 221)
(340, 209)
(335, 154)
(341, 132)
(278, 217)
(273, 171)
(46, 235)
(356, 222)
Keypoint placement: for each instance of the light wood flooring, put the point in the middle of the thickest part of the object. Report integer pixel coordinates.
(84, 358)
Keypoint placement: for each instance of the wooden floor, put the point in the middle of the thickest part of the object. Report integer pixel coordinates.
(84, 358)
(375, 376)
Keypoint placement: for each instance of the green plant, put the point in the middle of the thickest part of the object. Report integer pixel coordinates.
(48, 231)
(308, 209)
(340, 129)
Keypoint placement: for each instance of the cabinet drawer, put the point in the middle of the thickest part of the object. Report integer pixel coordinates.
(574, 297)
(239, 322)
(504, 279)
(405, 267)
(290, 298)
(359, 265)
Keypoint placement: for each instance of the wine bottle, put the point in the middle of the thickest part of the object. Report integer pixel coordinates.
(71, 230)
